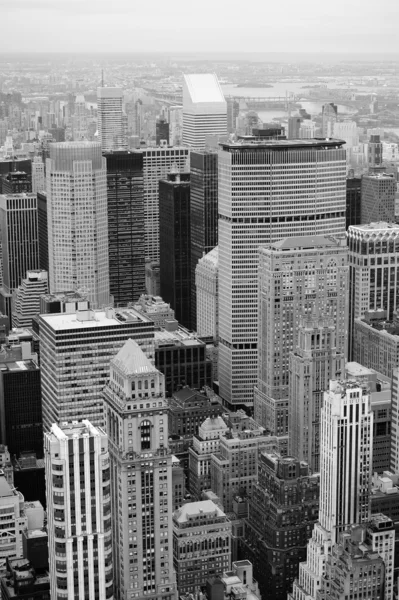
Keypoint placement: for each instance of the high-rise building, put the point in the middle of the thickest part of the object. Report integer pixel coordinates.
(313, 362)
(376, 342)
(174, 245)
(141, 477)
(375, 153)
(281, 513)
(378, 198)
(206, 287)
(299, 277)
(16, 182)
(201, 544)
(156, 309)
(125, 190)
(175, 114)
(111, 132)
(313, 203)
(75, 350)
(42, 230)
(329, 116)
(204, 109)
(353, 201)
(157, 164)
(26, 298)
(345, 478)
(79, 512)
(38, 178)
(162, 131)
(203, 213)
(347, 131)
(77, 220)
(373, 271)
(13, 521)
(19, 241)
(294, 124)
(395, 423)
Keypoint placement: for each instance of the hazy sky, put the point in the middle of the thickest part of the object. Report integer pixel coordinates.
(199, 25)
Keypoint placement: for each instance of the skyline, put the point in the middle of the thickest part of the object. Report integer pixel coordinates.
(100, 26)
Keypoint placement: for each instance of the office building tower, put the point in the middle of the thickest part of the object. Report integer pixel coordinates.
(345, 478)
(378, 198)
(17, 182)
(162, 131)
(281, 514)
(201, 544)
(75, 350)
(111, 132)
(26, 298)
(156, 309)
(188, 409)
(42, 230)
(294, 124)
(157, 164)
(79, 512)
(182, 357)
(375, 153)
(373, 272)
(175, 115)
(206, 287)
(380, 536)
(77, 220)
(152, 278)
(298, 277)
(329, 116)
(175, 244)
(21, 427)
(19, 241)
(376, 342)
(178, 484)
(233, 110)
(125, 192)
(13, 520)
(317, 190)
(141, 477)
(205, 443)
(38, 176)
(395, 423)
(204, 110)
(8, 165)
(313, 362)
(347, 131)
(203, 213)
(353, 201)
(307, 129)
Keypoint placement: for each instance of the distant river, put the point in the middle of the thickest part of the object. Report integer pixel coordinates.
(282, 88)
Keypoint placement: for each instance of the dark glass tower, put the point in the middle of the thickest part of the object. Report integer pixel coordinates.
(43, 230)
(125, 226)
(174, 244)
(353, 201)
(203, 213)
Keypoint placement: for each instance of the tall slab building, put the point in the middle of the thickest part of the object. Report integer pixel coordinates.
(77, 220)
(125, 191)
(204, 109)
(141, 477)
(110, 122)
(267, 191)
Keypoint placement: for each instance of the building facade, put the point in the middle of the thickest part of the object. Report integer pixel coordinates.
(300, 190)
(141, 477)
(378, 198)
(126, 239)
(77, 220)
(79, 512)
(111, 132)
(207, 296)
(26, 298)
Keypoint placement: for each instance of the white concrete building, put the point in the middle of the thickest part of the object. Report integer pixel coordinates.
(110, 122)
(206, 281)
(267, 191)
(204, 109)
(38, 178)
(26, 298)
(141, 480)
(78, 512)
(77, 220)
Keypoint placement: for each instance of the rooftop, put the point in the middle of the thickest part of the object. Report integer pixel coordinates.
(180, 336)
(211, 257)
(131, 360)
(306, 144)
(195, 509)
(88, 319)
(76, 429)
(204, 87)
(309, 242)
(380, 225)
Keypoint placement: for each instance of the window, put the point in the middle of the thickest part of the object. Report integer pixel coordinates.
(145, 435)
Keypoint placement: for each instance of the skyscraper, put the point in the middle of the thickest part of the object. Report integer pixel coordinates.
(203, 213)
(79, 512)
(75, 350)
(162, 131)
(329, 116)
(38, 178)
(111, 133)
(125, 190)
(395, 423)
(206, 287)
(353, 201)
(26, 298)
(313, 362)
(141, 477)
(373, 271)
(77, 220)
(345, 477)
(299, 277)
(157, 164)
(204, 109)
(19, 241)
(375, 151)
(174, 243)
(378, 198)
(300, 190)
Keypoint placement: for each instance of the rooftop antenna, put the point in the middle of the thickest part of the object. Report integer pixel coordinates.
(102, 77)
